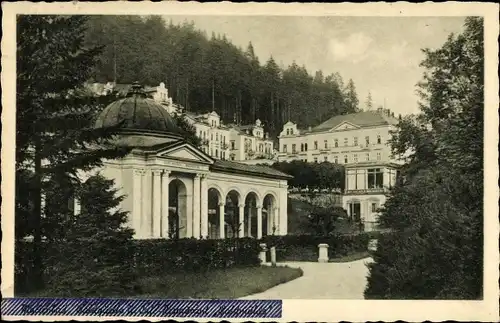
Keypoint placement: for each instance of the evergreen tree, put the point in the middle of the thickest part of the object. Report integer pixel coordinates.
(436, 210)
(351, 98)
(96, 255)
(54, 136)
(369, 102)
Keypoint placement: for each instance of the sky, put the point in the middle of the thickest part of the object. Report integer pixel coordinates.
(380, 54)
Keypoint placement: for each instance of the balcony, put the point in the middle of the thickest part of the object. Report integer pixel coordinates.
(367, 191)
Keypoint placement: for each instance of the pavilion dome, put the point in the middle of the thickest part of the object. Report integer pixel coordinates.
(137, 112)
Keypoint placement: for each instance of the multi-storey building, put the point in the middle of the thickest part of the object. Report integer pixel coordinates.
(359, 141)
(245, 143)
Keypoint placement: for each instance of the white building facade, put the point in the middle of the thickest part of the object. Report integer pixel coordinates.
(175, 190)
(359, 141)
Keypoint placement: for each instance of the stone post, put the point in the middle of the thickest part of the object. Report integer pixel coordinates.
(323, 252)
(273, 256)
(262, 254)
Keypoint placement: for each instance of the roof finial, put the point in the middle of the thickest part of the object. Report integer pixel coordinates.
(136, 89)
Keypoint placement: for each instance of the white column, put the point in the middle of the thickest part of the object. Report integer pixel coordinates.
(222, 221)
(136, 202)
(196, 206)
(259, 221)
(249, 221)
(157, 203)
(76, 206)
(276, 219)
(204, 207)
(146, 201)
(283, 206)
(241, 219)
(164, 204)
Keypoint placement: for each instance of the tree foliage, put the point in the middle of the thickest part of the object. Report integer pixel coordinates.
(55, 137)
(436, 212)
(205, 73)
(95, 255)
(313, 175)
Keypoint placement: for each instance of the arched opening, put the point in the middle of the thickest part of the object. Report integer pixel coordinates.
(270, 218)
(177, 214)
(251, 202)
(214, 200)
(231, 214)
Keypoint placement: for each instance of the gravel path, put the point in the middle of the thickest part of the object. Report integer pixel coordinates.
(322, 281)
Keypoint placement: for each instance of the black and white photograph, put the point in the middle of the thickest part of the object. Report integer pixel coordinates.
(249, 157)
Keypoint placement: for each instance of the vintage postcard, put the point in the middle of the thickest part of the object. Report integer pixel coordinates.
(250, 161)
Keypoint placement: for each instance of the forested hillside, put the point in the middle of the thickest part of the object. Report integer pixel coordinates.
(206, 73)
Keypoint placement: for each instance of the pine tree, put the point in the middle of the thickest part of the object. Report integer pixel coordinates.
(351, 98)
(369, 102)
(55, 137)
(96, 255)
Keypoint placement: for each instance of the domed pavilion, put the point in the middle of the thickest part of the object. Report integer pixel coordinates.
(173, 189)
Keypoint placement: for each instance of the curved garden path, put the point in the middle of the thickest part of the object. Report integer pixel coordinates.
(322, 281)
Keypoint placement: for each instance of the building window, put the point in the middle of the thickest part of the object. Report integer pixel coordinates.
(355, 158)
(326, 158)
(326, 144)
(346, 142)
(233, 144)
(294, 148)
(315, 145)
(375, 178)
(379, 140)
(336, 159)
(291, 131)
(374, 207)
(232, 157)
(367, 156)
(211, 151)
(355, 141)
(336, 143)
(284, 148)
(379, 156)
(305, 146)
(217, 153)
(301, 147)
(211, 136)
(345, 159)
(315, 159)
(367, 140)
(287, 132)
(217, 136)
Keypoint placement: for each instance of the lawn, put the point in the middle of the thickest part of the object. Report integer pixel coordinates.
(230, 283)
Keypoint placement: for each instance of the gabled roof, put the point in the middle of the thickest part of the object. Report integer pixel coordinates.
(361, 119)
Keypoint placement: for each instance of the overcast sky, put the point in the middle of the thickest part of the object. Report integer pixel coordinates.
(381, 54)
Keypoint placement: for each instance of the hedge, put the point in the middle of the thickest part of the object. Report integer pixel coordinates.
(152, 257)
(305, 247)
(156, 256)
